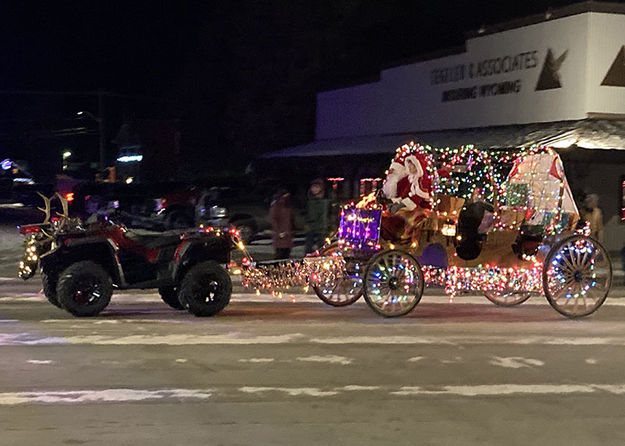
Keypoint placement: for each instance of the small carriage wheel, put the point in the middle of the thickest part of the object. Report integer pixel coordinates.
(341, 292)
(393, 283)
(508, 297)
(577, 276)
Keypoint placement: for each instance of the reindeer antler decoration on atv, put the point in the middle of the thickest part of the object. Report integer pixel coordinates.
(64, 205)
(47, 201)
(45, 210)
(48, 209)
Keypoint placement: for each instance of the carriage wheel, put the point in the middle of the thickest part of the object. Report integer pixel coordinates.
(514, 294)
(393, 283)
(344, 291)
(508, 297)
(577, 276)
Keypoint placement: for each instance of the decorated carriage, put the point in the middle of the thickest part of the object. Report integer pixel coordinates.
(498, 223)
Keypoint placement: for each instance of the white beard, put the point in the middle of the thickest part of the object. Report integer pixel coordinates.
(390, 186)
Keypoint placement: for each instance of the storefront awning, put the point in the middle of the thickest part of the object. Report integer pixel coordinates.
(587, 133)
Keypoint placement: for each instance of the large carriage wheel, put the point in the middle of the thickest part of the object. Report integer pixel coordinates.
(344, 291)
(393, 283)
(577, 276)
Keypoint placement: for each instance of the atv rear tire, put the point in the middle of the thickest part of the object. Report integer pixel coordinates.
(49, 280)
(170, 297)
(84, 289)
(205, 289)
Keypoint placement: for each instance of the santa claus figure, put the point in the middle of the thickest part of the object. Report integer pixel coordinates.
(395, 173)
(413, 190)
(409, 187)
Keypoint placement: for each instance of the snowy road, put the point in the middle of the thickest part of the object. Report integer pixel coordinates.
(294, 371)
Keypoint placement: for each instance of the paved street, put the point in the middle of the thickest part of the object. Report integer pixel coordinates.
(295, 371)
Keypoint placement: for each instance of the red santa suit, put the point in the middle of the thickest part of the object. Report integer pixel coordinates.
(414, 190)
(414, 193)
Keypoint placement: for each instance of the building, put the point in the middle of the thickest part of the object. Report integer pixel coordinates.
(148, 150)
(556, 78)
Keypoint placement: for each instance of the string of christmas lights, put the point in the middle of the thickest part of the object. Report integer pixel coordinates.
(457, 279)
(29, 263)
(288, 274)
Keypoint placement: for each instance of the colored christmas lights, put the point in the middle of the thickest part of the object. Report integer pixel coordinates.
(289, 274)
(29, 263)
(527, 189)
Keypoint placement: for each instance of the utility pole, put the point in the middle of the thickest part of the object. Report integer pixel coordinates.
(102, 130)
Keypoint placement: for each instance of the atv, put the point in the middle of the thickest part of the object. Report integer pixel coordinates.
(82, 263)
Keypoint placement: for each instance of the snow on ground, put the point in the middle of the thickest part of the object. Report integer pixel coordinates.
(10, 250)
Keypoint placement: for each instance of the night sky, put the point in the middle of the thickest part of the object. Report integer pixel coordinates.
(241, 76)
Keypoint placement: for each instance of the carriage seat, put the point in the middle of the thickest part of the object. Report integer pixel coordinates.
(471, 231)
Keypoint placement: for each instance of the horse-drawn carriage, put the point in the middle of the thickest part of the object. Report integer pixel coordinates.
(501, 224)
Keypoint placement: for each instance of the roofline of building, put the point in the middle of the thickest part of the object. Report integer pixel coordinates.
(550, 14)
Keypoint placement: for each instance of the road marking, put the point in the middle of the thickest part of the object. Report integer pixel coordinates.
(257, 360)
(332, 359)
(86, 322)
(291, 391)
(591, 361)
(29, 339)
(356, 388)
(507, 389)
(461, 340)
(515, 362)
(237, 338)
(456, 360)
(40, 361)
(122, 395)
(101, 396)
(416, 358)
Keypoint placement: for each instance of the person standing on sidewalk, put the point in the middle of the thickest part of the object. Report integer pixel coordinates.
(316, 216)
(591, 213)
(281, 216)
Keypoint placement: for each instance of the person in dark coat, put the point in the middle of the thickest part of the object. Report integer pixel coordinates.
(281, 216)
(316, 216)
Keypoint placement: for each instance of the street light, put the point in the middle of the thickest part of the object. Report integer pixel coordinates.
(100, 121)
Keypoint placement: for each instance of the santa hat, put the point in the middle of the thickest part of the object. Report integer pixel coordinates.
(399, 158)
(397, 167)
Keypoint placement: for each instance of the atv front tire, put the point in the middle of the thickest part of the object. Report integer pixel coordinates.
(49, 280)
(205, 289)
(170, 297)
(84, 289)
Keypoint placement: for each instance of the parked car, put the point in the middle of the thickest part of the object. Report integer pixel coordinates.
(175, 205)
(158, 206)
(246, 207)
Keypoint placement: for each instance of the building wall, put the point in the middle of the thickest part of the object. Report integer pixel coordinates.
(457, 91)
(579, 49)
(606, 42)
